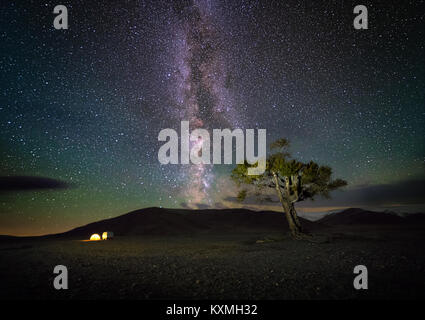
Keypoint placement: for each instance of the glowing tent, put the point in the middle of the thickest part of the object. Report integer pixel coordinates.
(107, 235)
(94, 237)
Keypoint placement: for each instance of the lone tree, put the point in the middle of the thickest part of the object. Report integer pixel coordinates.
(293, 181)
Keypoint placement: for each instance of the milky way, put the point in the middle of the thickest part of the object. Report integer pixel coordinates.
(200, 90)
(84, 106)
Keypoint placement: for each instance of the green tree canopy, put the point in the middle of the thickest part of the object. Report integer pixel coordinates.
(293, 180)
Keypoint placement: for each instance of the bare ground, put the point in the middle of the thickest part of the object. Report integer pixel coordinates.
(225, 266)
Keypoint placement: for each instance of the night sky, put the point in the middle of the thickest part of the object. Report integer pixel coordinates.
(84, 106)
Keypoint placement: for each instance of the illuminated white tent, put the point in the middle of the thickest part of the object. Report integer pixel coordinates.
(94, 237)
(107, 235)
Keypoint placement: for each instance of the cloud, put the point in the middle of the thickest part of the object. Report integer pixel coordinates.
(202, 206)
(401, 192)
(407, 192)
(194, 205)
(29, 183)
(184, 205)
(220, 205)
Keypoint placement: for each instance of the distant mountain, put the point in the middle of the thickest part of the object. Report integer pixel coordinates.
(357, 216)
(171, 222)
(163, 222)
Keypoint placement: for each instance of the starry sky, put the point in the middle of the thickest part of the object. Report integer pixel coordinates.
(84, 106)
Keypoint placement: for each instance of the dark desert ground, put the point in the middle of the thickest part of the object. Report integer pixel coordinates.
(221, 254)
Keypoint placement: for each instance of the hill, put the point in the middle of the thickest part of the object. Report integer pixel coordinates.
(173, 222)
(357, 216)
(163, 222)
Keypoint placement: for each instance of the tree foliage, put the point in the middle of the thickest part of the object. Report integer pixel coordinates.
(316, 180)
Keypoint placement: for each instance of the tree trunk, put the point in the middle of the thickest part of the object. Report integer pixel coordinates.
(291, 216)
(289, 209)
(295, 216)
